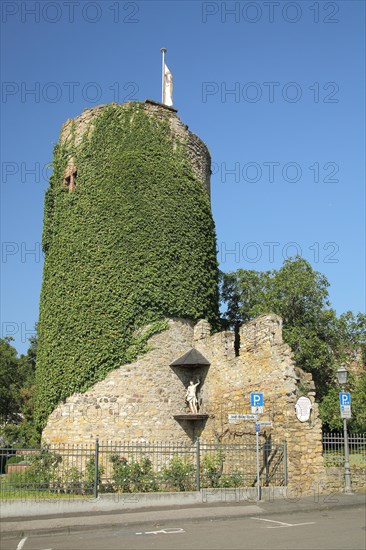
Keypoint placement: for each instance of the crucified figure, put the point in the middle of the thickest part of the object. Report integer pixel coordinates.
(191, 396)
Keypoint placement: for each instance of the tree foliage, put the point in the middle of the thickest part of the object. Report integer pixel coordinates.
(133, 244)
(320, 340)
(329, 406)
(17, 395)
(9, 391)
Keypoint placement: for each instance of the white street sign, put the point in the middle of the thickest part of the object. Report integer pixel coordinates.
(257, 410)
(346, 411)
(235, 417)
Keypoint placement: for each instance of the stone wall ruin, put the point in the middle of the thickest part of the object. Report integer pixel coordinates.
(138, 402)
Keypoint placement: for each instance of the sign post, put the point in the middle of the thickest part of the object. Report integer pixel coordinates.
(345, 405)
(257, 430)
(257, 405)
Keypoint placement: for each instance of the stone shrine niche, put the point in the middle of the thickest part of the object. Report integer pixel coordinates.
(192, 369)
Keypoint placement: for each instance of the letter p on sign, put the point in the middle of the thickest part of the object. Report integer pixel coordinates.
(345, 398)
(256, 399)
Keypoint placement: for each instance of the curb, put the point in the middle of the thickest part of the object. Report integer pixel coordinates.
(19, 527)
(16, 529)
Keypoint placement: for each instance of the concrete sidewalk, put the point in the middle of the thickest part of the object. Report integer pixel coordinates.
(67, 523)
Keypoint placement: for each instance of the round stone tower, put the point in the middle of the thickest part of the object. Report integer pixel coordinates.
(129, 240)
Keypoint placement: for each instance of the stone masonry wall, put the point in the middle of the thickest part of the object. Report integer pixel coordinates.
(335, 479)
(137, 402)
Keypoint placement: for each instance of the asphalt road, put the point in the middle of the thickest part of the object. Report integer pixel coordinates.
(337, 529)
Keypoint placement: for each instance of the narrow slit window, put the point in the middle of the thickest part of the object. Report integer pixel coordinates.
(70, 180)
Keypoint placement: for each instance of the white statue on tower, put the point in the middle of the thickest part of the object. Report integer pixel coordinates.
(191, 396)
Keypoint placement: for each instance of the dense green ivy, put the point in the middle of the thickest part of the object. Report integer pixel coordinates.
(132, 245)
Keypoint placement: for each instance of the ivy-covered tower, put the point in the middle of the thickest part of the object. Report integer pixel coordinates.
(129, 240)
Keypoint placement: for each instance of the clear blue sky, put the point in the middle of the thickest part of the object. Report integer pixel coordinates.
(288, 142)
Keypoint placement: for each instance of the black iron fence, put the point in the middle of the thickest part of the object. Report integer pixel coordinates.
(333, 449)
(60, 470)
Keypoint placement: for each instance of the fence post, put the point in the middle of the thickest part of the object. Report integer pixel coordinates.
(96, 468)
(285, 461)
(259, 489)
(266, 454)
(198, 464)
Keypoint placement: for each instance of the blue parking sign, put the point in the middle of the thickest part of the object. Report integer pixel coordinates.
(344, 398)
(256, 399)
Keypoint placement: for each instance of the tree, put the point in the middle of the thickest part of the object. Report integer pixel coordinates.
(17, 395)
(243, 292)
(27, 370)
(320, 341)
(329, 406)
(353, 341)
(299, 295)
(296, 292)
(9, 394)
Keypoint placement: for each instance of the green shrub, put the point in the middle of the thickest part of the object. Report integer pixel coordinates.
(42, 472)
(70, 481)
(180, 474)
(212, 472)
(90, 474)
(212, 466)
(134, 477)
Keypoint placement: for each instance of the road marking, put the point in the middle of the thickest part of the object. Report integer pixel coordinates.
(273, 521)
(21, 544)
(291, 525)
(282, 523)
(167, 531)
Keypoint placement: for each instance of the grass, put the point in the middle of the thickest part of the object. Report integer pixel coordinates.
(334, 458)
(38, 496)
(15, 487)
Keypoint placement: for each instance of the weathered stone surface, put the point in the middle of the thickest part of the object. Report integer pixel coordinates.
(335, 479)
(197, 151)
(137, 402)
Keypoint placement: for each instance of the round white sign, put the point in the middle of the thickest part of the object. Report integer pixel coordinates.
(303, 408)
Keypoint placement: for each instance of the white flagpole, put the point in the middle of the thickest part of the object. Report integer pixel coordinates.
(163, 51)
